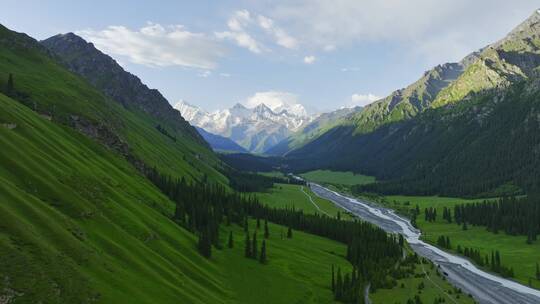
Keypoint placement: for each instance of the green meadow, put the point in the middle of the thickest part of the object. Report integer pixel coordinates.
(338, 178)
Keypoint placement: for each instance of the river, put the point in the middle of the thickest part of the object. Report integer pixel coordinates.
(483, 286)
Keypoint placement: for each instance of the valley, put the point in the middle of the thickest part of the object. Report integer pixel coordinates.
(110, 192)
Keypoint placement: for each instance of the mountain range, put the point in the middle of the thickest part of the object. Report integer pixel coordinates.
(256, 129)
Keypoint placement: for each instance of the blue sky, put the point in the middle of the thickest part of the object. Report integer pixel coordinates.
(326, 54)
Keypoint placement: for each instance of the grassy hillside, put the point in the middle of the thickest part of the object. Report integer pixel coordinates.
(80, 224)
(65, 98)
(298, 269)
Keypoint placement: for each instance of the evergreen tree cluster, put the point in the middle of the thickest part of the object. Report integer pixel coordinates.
(493, 262)
(514, 216)
(444, 242)
(430, 214)
(447, 215)
(164, 131)
(202, 207)
(251, 249)
(347, 288)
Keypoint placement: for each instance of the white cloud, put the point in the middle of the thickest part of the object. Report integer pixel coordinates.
(450, 30)
(350, 69)
(237, 25)
(272, 99)
(226, 75)
(277, 101)
(242, 25)
(281, 37)
(157, 45)
(362, 99)
(205, 74)
(309, 59)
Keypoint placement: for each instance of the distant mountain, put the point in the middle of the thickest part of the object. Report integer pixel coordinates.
(463, 129)
(311, 131)
(220, 143)
(256, 129)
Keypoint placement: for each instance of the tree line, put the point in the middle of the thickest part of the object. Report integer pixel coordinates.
(512, 215)
(203, 207)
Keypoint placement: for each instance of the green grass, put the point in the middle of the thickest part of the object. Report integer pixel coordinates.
(514, 251)
(298, 269)
(272, 174)
(335, 177)
(289, 196)
(79, 223)
(434, 287)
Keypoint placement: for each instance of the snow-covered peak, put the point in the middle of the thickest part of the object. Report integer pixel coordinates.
(246, 122)
(189, 111)
(277, 102)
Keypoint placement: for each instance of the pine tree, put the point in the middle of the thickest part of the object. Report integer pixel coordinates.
(258, 223)
(262, 257)
(289, 233)
(247, 247)
(9, 86)
(464, 227)
(339, 285)
(537, 272)
(254, 249)
(266, 231)
(246, 225)
(334, 280)
(231, 241)
(205, 245)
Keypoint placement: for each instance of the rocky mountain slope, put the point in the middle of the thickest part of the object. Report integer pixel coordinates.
(256, 129)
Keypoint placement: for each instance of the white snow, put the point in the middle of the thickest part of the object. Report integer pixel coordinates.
(240, 122)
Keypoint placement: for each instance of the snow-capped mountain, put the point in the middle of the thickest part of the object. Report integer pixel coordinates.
(256, 128)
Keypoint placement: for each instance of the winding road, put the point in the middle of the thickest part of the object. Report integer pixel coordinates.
(484, 287)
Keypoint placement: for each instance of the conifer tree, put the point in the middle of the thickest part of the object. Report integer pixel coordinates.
(262, 257)
(537, 272)
(254, 249)
(204, 245)
(289, 233)
(9, 86)
(266, 231)
(231, 241)
(258, 223)
(246, 225)
(339, 285)
(334, 280)
(247, 247)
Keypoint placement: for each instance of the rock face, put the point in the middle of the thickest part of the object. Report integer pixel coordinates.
(256, 129)
(112, 80)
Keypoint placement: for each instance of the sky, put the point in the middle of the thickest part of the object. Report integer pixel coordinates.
(322, 54)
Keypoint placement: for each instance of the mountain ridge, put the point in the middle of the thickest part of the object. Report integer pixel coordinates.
(256, 129)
